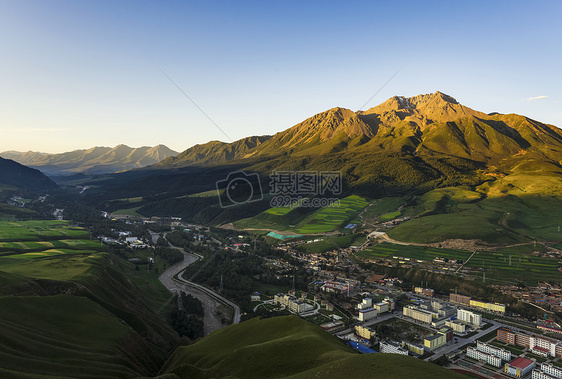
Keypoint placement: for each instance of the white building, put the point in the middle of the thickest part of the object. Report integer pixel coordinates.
(469, 317)
(543, 345)
(504, 355)
(365, 304)
(482, 356)
(392, 348)
(547, 371)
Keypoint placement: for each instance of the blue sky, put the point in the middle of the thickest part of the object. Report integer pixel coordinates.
(77, 74)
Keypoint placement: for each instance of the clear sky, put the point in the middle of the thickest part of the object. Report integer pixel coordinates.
(77, 74)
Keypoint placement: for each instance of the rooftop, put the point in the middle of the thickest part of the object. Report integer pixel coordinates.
(521, 362)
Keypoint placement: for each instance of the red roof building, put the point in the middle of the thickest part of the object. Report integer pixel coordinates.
(519, 367)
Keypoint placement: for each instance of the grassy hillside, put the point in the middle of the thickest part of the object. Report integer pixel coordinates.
(288, 346)
(520, 207)
(67, 310)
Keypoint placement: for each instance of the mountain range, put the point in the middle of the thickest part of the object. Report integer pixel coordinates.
(509, 167)
(96, 160)
(426, 126)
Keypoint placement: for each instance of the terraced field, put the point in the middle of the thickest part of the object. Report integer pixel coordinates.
(509, 264)
(301, 221)
(45, 249)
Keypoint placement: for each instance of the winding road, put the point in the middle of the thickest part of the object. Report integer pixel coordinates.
(210, 299)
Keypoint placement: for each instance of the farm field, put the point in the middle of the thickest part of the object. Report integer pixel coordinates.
(308, 220)
(46, 249)
(40, 230)
(523, 266)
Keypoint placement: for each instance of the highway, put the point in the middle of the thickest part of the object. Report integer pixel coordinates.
(210, 299)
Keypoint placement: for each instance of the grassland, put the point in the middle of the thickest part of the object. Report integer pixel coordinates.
(38, 231)
(308, 221)
(66, 310)
(288, 347)
(516, 208)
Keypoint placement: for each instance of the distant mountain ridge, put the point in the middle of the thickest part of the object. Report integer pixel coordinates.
(96, 160)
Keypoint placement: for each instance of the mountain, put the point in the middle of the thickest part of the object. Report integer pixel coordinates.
(17, 176)
(97, 160)
(288, 347)
(426, 148)
(432, 126)
(213, 152)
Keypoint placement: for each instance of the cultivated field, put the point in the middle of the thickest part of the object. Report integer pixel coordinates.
(512, 264)
(308, 221)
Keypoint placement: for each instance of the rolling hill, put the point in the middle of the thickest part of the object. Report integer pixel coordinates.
(288, 347)
(97, 160)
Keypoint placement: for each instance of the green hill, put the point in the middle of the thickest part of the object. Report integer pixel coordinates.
(288, 347)
(15, 176)
(71, 312)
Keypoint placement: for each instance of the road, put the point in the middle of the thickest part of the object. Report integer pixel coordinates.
(210, 300)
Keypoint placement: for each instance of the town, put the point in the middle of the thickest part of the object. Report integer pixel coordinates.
(377, 313)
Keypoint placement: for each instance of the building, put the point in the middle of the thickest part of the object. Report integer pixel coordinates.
(448, 332)
(290, 302)
(543, 345)
(540, 345)
(547, 371)
(333, 326)
(484, 357)
(339, 287)
(446, 311)
(414, 348)
(360, 347)
(469, 317)
(367, 314)
(382, 307)
(459, 298)
(435, 341)
(458, 327)
(417, 314)
(365, 304)
(364, 332)
(495, 307)
(507, 335)
(519, 367)
(392, 347)
(424, 291)
(439, 339)
(504, 355)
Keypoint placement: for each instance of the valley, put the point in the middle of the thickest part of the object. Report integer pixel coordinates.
(266, 247)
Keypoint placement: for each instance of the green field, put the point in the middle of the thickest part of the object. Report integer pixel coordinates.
(128, 212)
(524, 266)
(15, 231)
(308, 221)
(517, 208)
